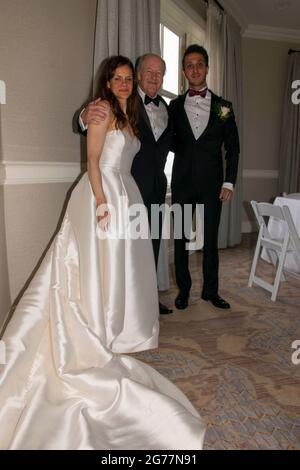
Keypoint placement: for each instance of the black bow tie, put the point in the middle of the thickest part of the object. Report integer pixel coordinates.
(155, 100)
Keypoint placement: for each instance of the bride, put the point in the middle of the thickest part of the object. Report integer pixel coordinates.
(63, 385)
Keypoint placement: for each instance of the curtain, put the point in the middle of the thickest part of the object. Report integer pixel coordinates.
(214, 44)
(223, 42)
(289, 156)
(126, 27)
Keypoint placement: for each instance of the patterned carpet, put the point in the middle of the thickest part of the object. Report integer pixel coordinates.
(236, 366)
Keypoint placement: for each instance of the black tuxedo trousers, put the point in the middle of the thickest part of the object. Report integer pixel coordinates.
(210, 262)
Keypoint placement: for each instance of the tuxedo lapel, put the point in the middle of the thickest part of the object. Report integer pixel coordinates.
(212, 115)
(144, 116)
(167, 129)
(183, 113)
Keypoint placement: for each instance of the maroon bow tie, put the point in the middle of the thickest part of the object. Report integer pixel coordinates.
(201, 93)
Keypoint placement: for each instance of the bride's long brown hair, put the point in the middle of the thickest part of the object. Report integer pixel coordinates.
(106, 73)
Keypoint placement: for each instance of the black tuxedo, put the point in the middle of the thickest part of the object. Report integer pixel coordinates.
(197, 177)
(148, 165)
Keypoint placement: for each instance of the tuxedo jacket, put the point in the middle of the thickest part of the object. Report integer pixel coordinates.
(149, 163)
(199, 161)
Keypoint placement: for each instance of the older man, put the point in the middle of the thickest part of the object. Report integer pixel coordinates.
(155, 135)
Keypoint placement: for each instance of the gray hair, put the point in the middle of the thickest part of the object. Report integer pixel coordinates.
(140, 61)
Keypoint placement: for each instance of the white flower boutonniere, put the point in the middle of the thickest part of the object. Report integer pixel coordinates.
(223, 112)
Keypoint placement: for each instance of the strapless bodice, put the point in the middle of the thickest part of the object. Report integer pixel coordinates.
(119, 150)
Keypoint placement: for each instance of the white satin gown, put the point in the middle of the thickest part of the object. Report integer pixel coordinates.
(63, 385)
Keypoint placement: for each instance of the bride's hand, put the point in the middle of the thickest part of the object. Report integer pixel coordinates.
(102, 213)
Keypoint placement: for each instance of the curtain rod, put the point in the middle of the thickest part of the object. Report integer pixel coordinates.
(219, 4)
(292, 51)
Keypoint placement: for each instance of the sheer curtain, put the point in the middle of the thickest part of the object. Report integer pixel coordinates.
(223, 43)
(289, 166)
(215, 44)
(127, 27)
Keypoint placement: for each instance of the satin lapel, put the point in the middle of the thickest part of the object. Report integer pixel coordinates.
(169, 122)
(144, 116)
(212, 115)
(182, 110)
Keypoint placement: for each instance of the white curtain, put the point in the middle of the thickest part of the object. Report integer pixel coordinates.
(223, 43)
(126, 27)
(214, 44)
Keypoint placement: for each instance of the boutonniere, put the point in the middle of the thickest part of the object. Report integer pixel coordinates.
(223, 112)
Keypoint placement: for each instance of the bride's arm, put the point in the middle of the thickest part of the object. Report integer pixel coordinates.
(95, 142)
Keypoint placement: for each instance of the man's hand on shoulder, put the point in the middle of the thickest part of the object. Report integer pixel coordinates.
(95, 112)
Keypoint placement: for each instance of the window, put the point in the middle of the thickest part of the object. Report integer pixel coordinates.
(178, 30)
(170, 48)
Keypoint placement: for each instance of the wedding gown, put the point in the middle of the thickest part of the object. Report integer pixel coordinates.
(63, 385)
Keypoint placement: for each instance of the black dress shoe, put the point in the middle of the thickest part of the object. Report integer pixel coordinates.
(164, 310)
(182, 301)
(216, 300)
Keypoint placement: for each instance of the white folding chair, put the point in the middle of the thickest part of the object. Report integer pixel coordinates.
(276, 248)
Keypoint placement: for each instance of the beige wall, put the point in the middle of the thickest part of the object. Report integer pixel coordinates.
(46, 59)
(4, 283)
(265, 74)
(46, 50)
(30, 226)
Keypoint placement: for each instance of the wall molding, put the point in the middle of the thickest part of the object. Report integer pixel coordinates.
(261, 174)
(269, 33)
(16, 172)
(64, 172)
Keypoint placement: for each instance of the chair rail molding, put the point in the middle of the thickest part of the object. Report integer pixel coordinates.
(261, 174)
(16, 172)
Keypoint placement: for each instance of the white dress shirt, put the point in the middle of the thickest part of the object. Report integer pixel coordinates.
(158, 116)
(198, 111)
